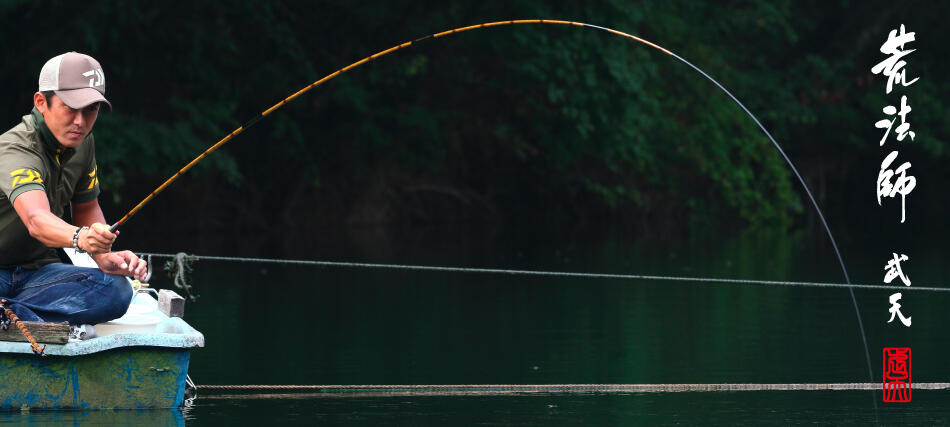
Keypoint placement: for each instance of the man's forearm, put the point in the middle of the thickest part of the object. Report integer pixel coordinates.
(56, 233)
(51, 230)
(43, 225)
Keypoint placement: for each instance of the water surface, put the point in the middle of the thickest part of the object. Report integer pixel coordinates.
(278, 324)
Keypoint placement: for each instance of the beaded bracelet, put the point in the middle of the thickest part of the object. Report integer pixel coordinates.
(76, 239)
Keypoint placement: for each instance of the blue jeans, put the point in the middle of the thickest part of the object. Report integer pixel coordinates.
(60, 292)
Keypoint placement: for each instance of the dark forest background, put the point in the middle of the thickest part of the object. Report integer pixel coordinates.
(511, 124)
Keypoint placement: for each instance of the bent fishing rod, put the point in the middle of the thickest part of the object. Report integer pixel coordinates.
(395, 48)
(336, 73)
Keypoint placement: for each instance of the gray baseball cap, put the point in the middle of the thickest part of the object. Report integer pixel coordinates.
(77, 79)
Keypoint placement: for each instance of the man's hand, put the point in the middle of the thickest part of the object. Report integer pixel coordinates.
(123, 263)
(97, 240)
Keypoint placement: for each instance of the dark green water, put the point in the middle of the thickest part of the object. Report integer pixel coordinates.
(271, 324)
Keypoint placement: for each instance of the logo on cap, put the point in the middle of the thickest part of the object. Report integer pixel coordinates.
(99, 78)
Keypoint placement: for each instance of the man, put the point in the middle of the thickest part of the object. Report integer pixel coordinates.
(46, 163)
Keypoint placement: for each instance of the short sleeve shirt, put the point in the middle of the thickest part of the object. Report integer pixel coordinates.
(32, 159)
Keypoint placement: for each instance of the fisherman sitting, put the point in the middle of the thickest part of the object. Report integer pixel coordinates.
(46, 163)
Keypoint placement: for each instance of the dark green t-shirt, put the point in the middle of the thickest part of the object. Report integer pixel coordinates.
(32, 159)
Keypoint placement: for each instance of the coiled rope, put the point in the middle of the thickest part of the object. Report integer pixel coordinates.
(182, 260)
(178, 269)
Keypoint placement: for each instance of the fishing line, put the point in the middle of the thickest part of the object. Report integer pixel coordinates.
(513, 22)
(183, 260)
(834, 244)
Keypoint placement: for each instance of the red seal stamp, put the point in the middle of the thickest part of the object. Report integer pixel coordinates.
(897, 374)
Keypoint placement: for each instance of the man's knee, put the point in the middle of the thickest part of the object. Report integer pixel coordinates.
(118, 292)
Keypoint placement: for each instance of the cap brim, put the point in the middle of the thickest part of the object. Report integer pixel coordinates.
(81, 98)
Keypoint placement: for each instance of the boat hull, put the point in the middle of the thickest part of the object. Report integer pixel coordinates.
(125, 377)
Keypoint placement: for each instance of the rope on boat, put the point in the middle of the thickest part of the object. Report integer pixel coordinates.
(558, 388)
(9, 316)
(181, 260)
